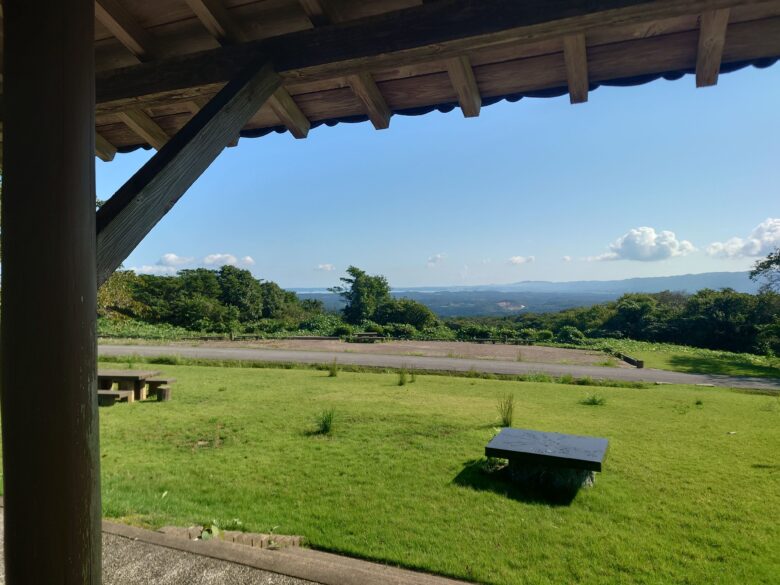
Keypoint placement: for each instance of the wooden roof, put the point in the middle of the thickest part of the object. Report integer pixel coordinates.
(159, 61)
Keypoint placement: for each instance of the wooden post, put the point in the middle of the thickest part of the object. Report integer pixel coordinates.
(49, 389)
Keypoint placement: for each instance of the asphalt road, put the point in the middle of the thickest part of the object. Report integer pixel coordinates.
(439, 363)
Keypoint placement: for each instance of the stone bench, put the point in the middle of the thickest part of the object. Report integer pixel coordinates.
(549, 460)
(110, 397)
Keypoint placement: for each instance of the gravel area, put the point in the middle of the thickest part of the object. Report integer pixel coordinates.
(450, 349)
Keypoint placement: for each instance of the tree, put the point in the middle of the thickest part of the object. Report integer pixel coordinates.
(238, 288)
(363, 293)
(115, 296)
(768, 271)
(405, 311)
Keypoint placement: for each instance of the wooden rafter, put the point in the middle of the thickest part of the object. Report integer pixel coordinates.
(321, 12)
(143, 125)
(712, 39)
(289, 113)
(217, 20)
(104, 150)
(465, 85)
(575, 53)
(415, 35)
(366, 90)
(141, 202)
(123, 26)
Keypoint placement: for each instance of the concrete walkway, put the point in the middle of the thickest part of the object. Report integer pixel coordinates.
(440, 363)
(134, 556)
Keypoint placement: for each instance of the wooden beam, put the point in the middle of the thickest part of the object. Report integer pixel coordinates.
(462, 79)
(217, 20)
(431, 31)
(366, 90)
(712, 39)
(123, 26)
(141, 202)
(51, 452)
(575, 53)
(289, 113)
(103, 148)
(322, 12)
(140, 123)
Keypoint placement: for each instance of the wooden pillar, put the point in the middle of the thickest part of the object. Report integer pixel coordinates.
(48, 380)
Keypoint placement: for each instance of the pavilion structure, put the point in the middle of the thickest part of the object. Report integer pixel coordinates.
(187, 78)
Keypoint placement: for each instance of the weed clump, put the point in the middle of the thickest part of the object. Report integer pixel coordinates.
(333, 369)
(594, 400)
(324, 422)
(506, 410)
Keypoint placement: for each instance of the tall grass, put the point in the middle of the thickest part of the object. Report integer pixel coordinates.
(333, 369)
(324, 422)
(506, 409)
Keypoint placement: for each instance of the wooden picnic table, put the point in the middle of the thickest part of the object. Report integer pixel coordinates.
(135, 380)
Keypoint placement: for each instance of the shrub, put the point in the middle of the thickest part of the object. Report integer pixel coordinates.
(333, 369)
(402, 330)
(528, 335)
(569, 334)
(402, 377)
(544, 335)
(343, 330)
(594, 400)
(506, 409)
(324, 422)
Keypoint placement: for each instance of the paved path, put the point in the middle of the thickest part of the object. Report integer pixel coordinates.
(439, 363)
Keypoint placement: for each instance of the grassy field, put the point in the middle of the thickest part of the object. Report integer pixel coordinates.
(681, 358)
(681, 499)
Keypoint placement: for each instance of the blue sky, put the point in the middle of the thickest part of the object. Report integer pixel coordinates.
(653, 180)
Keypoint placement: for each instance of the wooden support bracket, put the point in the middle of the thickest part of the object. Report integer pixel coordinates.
(575, 53)
(139, 204)
(712, 38)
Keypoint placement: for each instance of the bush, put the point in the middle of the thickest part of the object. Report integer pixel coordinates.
(544, 335)
(333, 369)
(528, 335)
(506, 409)
(344, 330)
(402, 379)
(569, 334)
(402, 330)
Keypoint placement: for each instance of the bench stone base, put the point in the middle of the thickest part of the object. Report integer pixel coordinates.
(557, 479)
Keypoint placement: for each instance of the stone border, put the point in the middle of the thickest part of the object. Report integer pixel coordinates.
(307, 564)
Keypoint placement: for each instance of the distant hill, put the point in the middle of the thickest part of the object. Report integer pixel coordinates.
(739, 281)
(544, 297)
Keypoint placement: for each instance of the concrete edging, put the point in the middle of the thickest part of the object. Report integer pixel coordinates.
(307, 564)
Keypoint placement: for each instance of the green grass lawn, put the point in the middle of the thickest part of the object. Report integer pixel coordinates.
(695, 360)
(681, 499)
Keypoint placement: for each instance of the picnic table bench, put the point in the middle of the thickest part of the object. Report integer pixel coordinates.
(132, 385)
(550, 459)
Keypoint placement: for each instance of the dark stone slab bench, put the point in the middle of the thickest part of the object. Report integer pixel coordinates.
(551, 460)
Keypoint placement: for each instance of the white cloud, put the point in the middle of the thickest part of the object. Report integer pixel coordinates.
(518, 260)
(171, 259)
(644, 244)
(566, 259)
(436, 259)
(246, 261)
(220, 260)
(764, 238)
(155, 269)
(326, 267)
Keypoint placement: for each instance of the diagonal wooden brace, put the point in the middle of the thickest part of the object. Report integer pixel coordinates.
(148, 195)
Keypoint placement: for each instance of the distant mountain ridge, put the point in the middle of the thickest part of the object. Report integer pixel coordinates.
(690, 283)
(542, 297)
